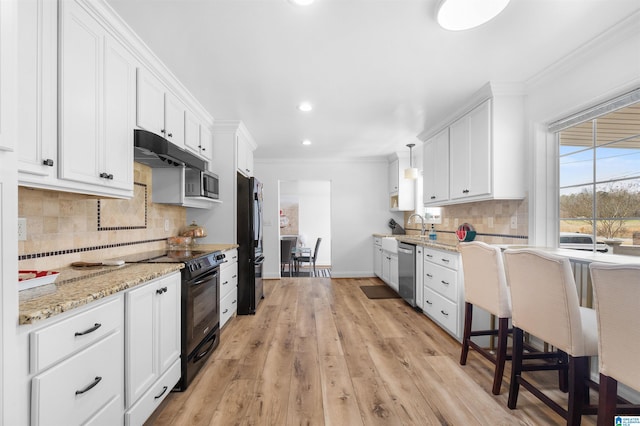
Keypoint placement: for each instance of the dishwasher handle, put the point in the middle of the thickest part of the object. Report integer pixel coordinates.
(405, 251)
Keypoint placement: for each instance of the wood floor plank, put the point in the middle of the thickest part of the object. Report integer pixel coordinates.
(234, 404)
(305, 395)
(329, 343)
(375, 404)
(338, 396)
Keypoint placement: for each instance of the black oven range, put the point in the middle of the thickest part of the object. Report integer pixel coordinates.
(200, 322)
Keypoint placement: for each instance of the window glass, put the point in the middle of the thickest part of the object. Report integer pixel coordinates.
(599, 171)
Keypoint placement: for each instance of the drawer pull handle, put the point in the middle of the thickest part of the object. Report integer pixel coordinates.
(90, 330)
(429, 302)
(445, 260)
(235, 276)
(444, 282)
(429, 255)
(429, 275)
(164, 389)
(225, 283)
(90, 386)
(161, 290)
(233, 303)
(225, 311)
(48, 162)
(433, 197)
(446, 314)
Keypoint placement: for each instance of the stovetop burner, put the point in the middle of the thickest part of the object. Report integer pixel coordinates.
(165, 256)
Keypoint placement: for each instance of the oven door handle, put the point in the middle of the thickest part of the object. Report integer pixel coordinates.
(202, 280)
(203, 354)
(259, 260)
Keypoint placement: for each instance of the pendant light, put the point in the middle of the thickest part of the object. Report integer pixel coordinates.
(456, 15)
(411, 172)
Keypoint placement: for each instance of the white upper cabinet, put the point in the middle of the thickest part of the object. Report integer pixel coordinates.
(206, 143)
(436, 168)
(96, 99)
(7, 74)
(244, 153)
(174, 110)
(401, 190)
(150, 103)
(470, 148)
(486, 150)
(37, 91)
(197, 136)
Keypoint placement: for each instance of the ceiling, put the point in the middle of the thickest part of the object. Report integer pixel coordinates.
(377, 72)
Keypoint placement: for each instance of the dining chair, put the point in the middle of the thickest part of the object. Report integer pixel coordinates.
(310, 258)
(286, 254)
(544, 303)
(616, 291)
(485, 286)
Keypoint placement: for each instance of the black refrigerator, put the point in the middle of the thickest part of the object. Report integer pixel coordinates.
(249, 237)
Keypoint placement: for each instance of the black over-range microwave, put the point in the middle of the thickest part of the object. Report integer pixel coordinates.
(201, 183)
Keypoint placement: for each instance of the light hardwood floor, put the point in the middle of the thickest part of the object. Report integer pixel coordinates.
(318, 352)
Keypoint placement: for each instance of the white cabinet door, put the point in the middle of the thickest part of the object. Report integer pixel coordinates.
(394, 279)
(206, 143)
(436, 168)
(119, 114)
(140, 341)
(174, 119)
(377, 260)
(80, 94)
(191, 132)
(394, 176)
(37, 90)
(470, 159)
(8, 35)
(242, 149)
(150, 103)
(385, 271)
(168, 319)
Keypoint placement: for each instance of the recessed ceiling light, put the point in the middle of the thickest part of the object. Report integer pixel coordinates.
(302, 2)
(305, 107)
(459, 15)
(306, 142)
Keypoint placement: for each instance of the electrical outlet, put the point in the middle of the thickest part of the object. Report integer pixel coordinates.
(514, 222)
(167, 223)
(22, 229)
(490, 221)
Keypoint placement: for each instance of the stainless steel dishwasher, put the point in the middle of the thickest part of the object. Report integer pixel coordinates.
(407, 272)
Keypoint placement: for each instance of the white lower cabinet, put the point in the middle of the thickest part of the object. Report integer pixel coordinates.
(443, 292)
(152, 341)
(390, 269)
(419, 276)
(151, 399)
(78, 367)
(228, 286)
(377, 256)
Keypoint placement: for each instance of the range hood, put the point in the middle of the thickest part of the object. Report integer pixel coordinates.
(157, 152)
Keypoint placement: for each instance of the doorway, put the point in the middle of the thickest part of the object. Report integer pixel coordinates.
(305, 212)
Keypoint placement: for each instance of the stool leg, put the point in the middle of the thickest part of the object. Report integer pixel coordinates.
(607, 400)
(578, 367)
(563, 373)
(468, 315)
(501, 354)
(516, 367)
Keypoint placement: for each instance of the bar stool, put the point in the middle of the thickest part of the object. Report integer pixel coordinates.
(545, 304)
(616, 290)
(485, 286)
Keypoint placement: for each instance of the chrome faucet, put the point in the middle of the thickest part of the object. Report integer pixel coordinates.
(424, 230)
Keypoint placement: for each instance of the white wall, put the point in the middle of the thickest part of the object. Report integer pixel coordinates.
(602, 69)
(314, 213)
(359, 208)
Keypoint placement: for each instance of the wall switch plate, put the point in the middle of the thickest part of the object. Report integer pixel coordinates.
(22, 229)
(490, 221)
(166, 225)
(514, 222)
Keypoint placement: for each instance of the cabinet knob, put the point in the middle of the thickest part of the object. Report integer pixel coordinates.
(48, 162)
(163, 131)
(104, 175)
(170, 135)
(433, 197)
(466, 191)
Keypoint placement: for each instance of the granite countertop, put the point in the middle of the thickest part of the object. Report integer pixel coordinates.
(449, 243)
(76, 287)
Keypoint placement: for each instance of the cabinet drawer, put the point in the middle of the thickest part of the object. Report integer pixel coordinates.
(151, 399)
(95, 372)
(228, 279)
(110, 414)
(230, 256)
(443, 258)
(442, 280)
(228, 306)
(377, 241)
(441, 310)
(55, 342)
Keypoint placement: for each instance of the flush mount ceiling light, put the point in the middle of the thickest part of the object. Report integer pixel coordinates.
(411, 172)
(306, 142)
(305, 107)
(301, 2)
(459, 15)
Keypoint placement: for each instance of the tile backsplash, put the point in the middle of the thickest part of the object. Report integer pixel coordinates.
(64, 227)
(492, 220)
